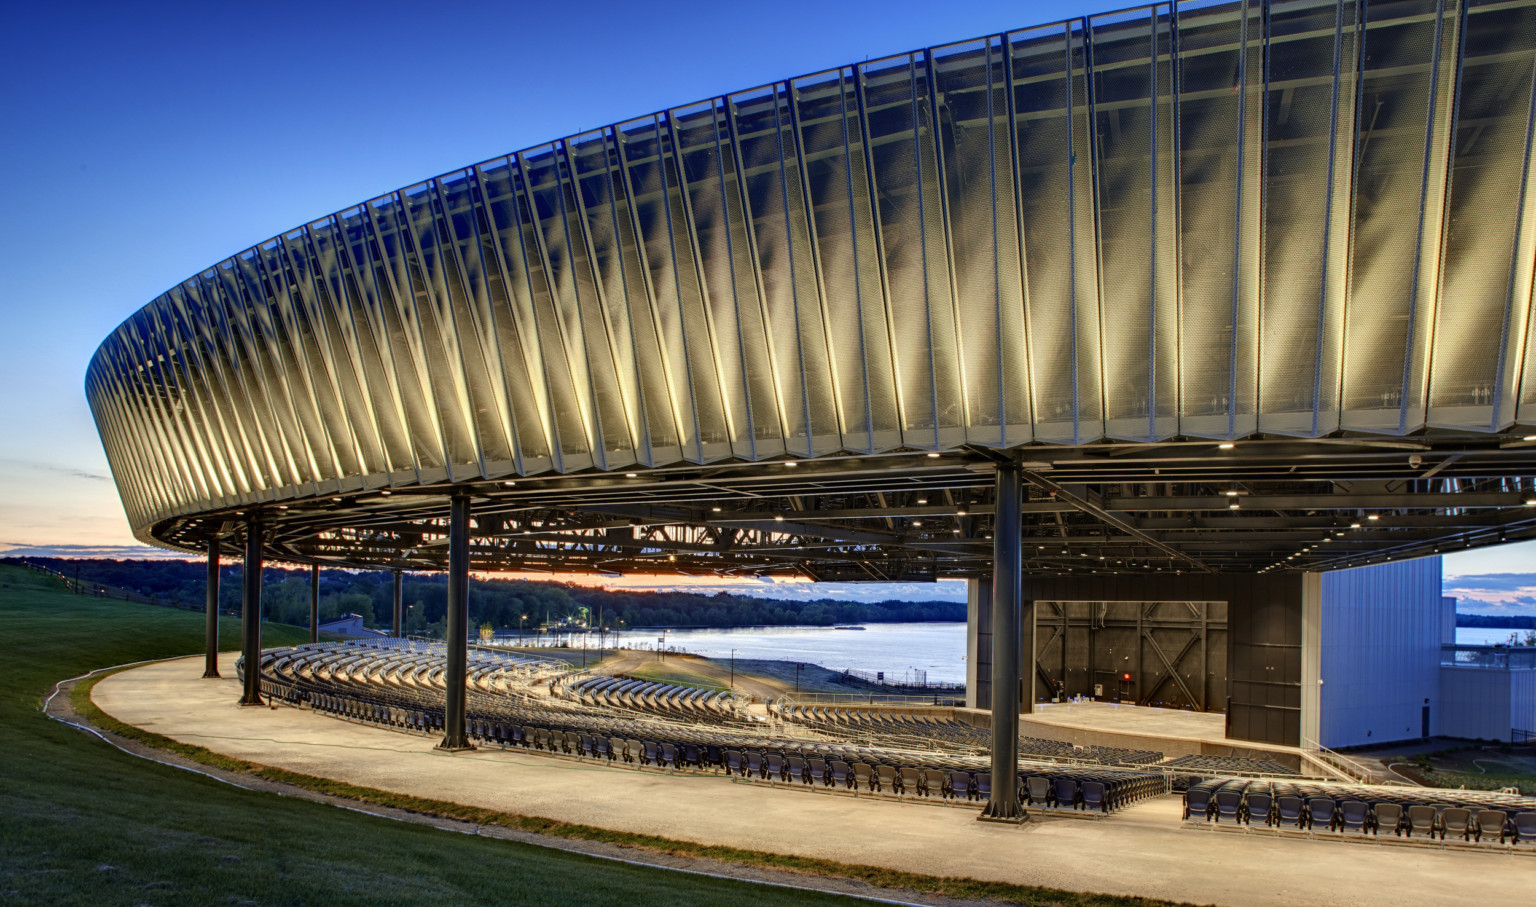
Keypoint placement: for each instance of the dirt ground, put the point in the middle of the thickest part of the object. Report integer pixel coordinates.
(1454, 762)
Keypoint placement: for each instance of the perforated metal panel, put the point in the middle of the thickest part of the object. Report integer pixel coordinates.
(1200, 221)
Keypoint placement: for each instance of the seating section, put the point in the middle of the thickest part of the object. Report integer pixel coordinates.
(864, 724)
(649, 725)
(1228, 765)
(685, 703)
(1359, 809)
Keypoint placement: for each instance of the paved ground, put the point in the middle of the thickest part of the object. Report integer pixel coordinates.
(1209, 727)
(1140, 851)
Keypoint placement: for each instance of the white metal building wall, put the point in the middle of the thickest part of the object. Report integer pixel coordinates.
(1380, 652)
(1476, 702)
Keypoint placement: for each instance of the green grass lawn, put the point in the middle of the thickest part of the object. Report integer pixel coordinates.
(81, 822)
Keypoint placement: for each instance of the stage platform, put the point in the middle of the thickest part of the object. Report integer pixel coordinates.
(1144, 850)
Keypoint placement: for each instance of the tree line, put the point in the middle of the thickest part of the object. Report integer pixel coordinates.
(504, 604)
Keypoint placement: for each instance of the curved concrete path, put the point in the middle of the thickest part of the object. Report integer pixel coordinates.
(1141, 851)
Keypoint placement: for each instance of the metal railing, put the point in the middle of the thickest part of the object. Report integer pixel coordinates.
(1493, 658)
(913, 700)
(1336, 763)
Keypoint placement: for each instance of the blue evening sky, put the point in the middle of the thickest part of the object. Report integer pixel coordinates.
(144, 142)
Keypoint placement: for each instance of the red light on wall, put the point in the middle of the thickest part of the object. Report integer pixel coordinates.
(1125, 677)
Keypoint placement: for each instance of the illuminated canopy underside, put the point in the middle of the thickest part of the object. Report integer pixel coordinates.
(1265, 221)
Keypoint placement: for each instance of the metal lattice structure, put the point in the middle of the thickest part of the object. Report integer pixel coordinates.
(1095, 247)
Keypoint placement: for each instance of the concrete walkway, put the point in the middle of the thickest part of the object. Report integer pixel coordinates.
(1140, 851)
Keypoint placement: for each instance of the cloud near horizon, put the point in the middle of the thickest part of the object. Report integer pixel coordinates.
(1493, 593)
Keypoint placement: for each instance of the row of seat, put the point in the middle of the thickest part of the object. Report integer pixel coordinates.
(1365, 809)
(860, 723)
(685, 703)
(1229, 765)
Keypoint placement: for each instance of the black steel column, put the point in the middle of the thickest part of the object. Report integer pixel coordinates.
(1007, 589)
(457, 633)
(211, 610)
(399, 595)
(314, 602)
(250, 614)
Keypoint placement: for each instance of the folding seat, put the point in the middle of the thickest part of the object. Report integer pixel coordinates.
(669, 756)
(1354, 815)
(636, 751)
(1259, 804)
(816, 771)
(1456, 820)
(1490, 822)
(1037, 791)
(1421, 818)
(1093, 796)
(755, 765)
(600, 748)
(1228, 802)
(690, 754)
(1290, 810)
(714, 755)
(618, 749)
(934, 783)
(794, 769)
(1065, 790)
(588, 745)
(983, 785)
(1524, 827)
(910, 781)
(1322, 811)
(530, 737)
(842, 774)
(864, 776)
(1387, 816)
(734, 762)
(773, 767)
(960, 785)
(573, 742)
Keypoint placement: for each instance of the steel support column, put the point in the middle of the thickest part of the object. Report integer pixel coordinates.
(250, 615)
(211, 611)
(314, 602)
(1007, 589)
(396, 608)
(457, 633)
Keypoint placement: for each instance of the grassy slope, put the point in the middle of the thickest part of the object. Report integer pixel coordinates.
(82, 823)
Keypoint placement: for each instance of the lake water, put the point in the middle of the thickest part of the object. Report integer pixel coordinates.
(896, 649)
(1484, 636)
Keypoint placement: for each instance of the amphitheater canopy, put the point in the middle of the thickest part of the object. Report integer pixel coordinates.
(731, 337)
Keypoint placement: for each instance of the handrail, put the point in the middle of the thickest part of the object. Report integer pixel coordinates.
(1334, 762)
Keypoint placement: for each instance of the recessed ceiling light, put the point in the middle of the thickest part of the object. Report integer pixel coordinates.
(1231, 494)
(778, 519)
(790, 463)
(631, 475)
(1373, 517)
(715, 509)
(917, 522)
(1354, 525)
(1226, 445)
(933, 455)
(959, 513)
(1234, 506)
